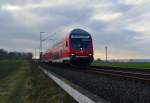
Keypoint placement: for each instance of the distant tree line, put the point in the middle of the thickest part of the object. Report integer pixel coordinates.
(14, 55)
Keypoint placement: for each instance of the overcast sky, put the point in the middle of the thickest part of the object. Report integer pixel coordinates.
(122, 25)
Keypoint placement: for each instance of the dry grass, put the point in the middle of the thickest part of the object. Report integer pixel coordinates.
(23, 82)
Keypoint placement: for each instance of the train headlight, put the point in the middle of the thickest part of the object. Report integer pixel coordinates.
(72, 54)
(90, 54)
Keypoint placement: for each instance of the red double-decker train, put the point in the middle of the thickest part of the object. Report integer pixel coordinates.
(76, 48)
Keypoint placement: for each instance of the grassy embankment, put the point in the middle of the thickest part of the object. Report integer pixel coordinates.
(13, 76)
(124, 65)
(21, 82)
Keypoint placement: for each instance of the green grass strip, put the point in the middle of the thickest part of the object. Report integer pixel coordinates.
(124, 65)
(12, 87)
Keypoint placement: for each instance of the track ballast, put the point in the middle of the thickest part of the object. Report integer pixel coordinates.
(111, 88)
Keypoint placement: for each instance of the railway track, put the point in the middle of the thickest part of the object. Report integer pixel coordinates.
(107, 84)
(143, 76)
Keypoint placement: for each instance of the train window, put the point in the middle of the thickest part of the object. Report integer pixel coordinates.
(66, 44)
(78, 43)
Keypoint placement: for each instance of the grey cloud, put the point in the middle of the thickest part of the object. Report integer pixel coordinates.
(19, 2)
(56, 18)
(65, 12)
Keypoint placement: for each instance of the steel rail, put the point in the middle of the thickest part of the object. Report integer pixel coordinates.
(125, 74)
(119, 73)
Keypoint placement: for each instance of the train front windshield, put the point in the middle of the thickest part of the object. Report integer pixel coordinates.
(81, 43)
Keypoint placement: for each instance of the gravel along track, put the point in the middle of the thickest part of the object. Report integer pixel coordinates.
(111, 89)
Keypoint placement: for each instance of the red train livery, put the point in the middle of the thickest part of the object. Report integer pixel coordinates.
(76, 48)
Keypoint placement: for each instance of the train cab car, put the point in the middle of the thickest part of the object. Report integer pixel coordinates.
(81, 47)
(76, 48)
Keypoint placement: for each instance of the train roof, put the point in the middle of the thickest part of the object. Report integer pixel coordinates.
(77, 31)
